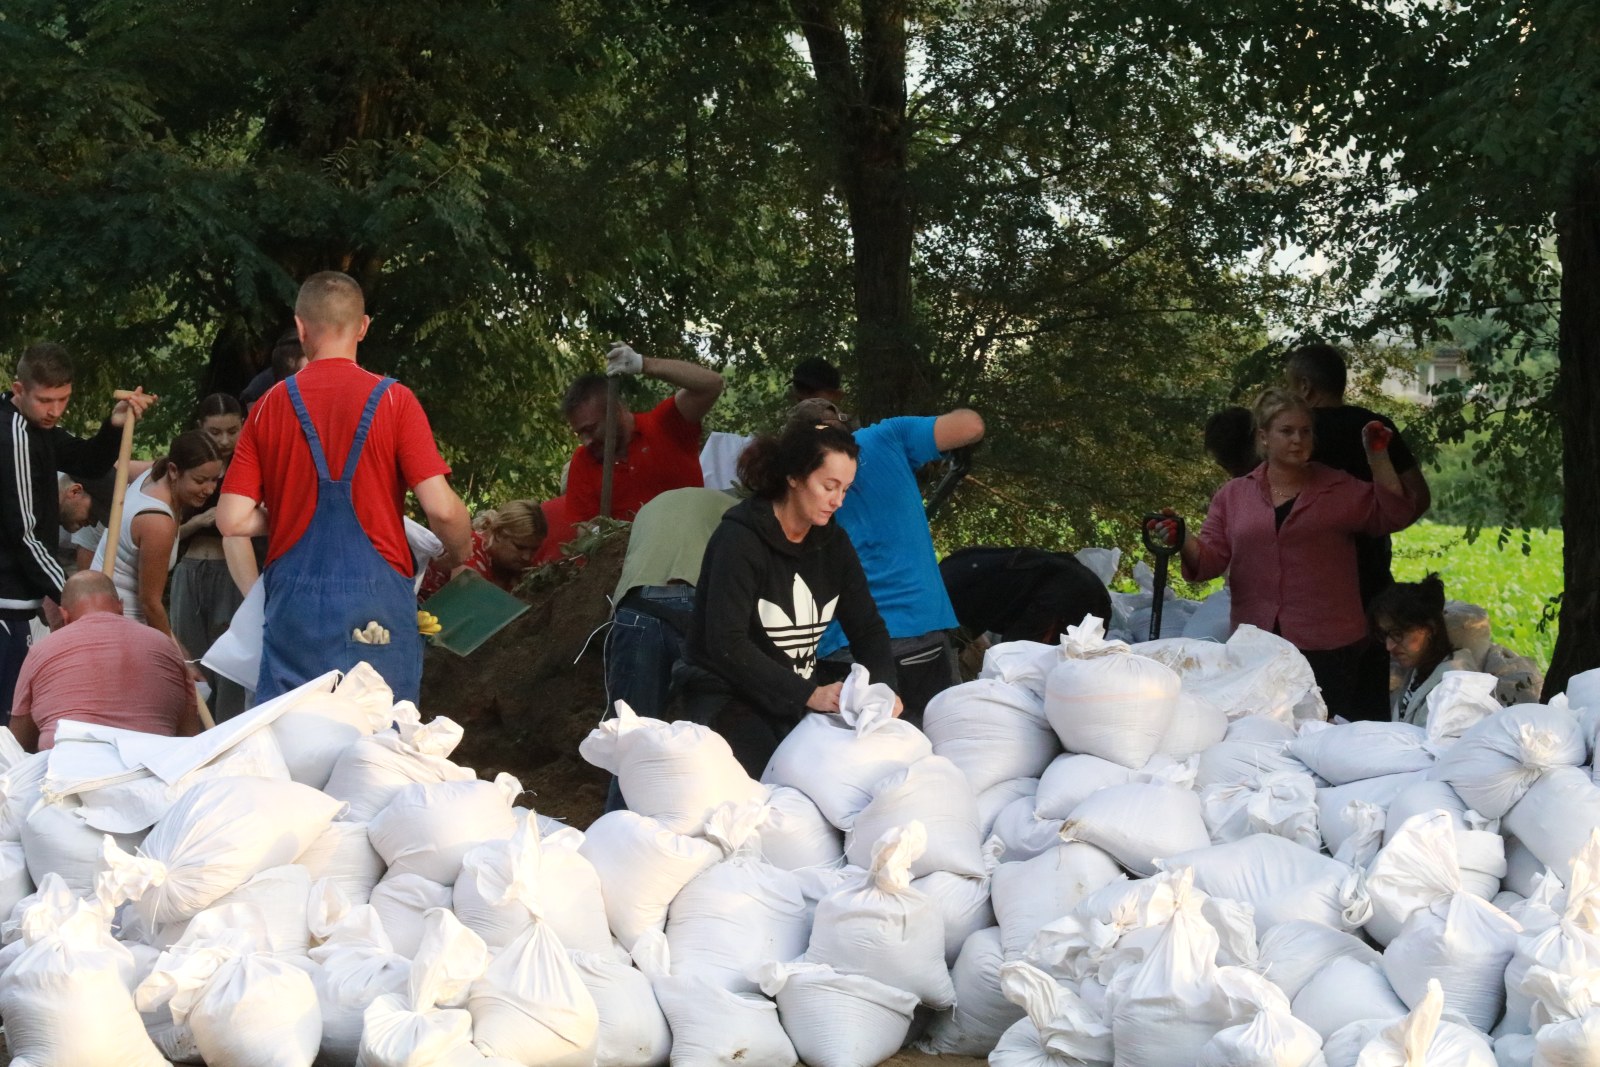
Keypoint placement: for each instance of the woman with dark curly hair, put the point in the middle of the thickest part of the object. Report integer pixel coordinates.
(776, 572)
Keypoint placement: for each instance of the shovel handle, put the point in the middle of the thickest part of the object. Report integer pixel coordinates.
(119, 491)
(1159, 548)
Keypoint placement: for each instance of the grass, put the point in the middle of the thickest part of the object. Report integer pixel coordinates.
(1513, 587)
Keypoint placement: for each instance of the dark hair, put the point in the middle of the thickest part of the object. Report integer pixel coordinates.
(45, 364)
(769, 461)
(814, 375)
(1319, 366)
(1230, 438)
(219, 404)
(1415, 605)
(586, 388)
(189, 450)
(286, 353)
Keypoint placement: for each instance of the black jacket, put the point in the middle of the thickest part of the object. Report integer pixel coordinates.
(30, 501)
(763, 602)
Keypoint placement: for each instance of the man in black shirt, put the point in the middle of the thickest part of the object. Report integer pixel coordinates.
(1022, 594)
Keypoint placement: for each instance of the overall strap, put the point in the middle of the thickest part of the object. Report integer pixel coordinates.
(368, 413)
(308, 429)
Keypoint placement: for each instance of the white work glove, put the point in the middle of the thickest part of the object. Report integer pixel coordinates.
(623, 360)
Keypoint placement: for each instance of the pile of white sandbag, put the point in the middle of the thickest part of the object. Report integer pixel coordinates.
(1143, 856)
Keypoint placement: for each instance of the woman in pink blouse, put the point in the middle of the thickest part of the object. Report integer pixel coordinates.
(1285, 535)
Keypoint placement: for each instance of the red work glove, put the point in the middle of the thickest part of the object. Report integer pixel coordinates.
(1376, 436)
(1165, 530)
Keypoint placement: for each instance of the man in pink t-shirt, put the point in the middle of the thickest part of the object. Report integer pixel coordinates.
(102, 668)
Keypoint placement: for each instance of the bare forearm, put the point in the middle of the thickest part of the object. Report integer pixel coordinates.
(684, 375)
(240, 555)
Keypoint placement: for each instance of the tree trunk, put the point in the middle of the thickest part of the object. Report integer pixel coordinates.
(1578, 244)
(862, 103)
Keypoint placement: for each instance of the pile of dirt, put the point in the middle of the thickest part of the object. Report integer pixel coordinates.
(534, 690)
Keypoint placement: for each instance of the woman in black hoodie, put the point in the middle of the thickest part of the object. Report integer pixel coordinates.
(776, 572)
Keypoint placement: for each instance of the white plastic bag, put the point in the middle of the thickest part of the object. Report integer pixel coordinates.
(531, 1005)
(1071, 779)
(1196, 725)
(1464, 944)
(1294, 952)
(410, 1029)
(1245, 759)
(315, 731)
(992, 801)
(1138, 824)
(795, 833)
(1460, 701)
(672, 772)
(1031, 894)
(879, 926)
(1496, 762)
(1354, 751)
(1019, 834)
(345, 854)
(1345, 992)
(1057, 1030)
(223, 831)
(838, 1020)
(1565, 944)
(356, 964)
(1106, 702)
(504, 883)
(934, 792)
(429, 829)
(57, 840)
(642, 865)
(633, 1031)
(712, 1026)
(371, 770)
(1420, 1039)
(1337, 816)
(964, 904)
(1021, 663)
(981, 1013)
(1282, 803)
(403, 903)
(1281, 881)
(1554, 818)
(1414, 870)
(1271, 1039)
(993, 731)
(281, 894)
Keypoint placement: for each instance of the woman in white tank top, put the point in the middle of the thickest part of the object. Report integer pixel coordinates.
(147, 544)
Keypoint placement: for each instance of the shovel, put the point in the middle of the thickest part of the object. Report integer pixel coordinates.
(613, 402)
(119, 490)
(1163, 552)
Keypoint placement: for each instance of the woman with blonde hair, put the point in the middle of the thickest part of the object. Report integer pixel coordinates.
(1285, 535)
(504, 542)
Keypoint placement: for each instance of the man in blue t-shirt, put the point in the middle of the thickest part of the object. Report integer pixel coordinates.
(883, 514)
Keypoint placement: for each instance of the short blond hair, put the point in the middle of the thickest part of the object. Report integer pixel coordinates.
(1269, 405)
(521, 520)
(329, 298)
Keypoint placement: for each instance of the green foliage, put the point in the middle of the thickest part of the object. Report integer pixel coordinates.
(1514, 576)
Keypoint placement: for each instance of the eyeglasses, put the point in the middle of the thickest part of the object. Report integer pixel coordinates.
(1395, 635)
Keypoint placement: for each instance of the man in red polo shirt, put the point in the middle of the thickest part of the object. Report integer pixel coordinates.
(329, 453)
(656, 450)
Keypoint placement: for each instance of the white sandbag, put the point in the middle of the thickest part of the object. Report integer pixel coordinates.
(1294, 952)
(222, 832)
(344, 853)
(1139, 823)
(1420, 1039)
(1282, 803)
(428, 829)
(1071, 779)
(672, 772)
(243, 1006)
(1244, 759)
(879, 926)
(838, 1020)
(19, 791)
(356, 965)
(1031, 894)
(1460, 701)
(1165, 1008)
(963, 903)
(410, 1029)
(1271, 1039)
(1280, 880)
(712, 1026)
(738, 914)
(633, 1031)
(1196, 725)
(1565, 944)
(370, 771)
(991, 730)
(1421, 797)
(1264, 676)
(795, 833)
(1106, 702)
(1523, 868)
(1496, 762)
(314, 732)
(1571, 1043)
(1480, 852)
(1346, 991)
(531, 1005)
(934, 792)
(15, 882)
(1554, 818)
(1019, 834)
(1417, 868)
(1464, 943)
(642, 865)
(1343, 1049)
(281, 895)
(56, 840)
(992, 801)
(1260, 728)
(65, 998)
(1057, 1029)
(981, 1013)
(1338, 820)
(1354, 751)
(403, 903)
(503, 884)
(1021, 663)
(837, 759)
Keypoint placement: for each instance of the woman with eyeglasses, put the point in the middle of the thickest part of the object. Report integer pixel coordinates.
(1285, 535)
(1409, 618)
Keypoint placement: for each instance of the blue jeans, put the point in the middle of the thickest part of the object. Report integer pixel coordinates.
(640, 649)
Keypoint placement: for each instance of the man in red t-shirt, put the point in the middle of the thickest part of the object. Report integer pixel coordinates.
(656, 450)
(337, 556)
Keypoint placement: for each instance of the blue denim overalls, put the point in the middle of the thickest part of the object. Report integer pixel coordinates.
(332, 582)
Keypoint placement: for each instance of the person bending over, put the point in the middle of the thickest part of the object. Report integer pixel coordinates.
(776, 571)
(504, 542)
(65, 675)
